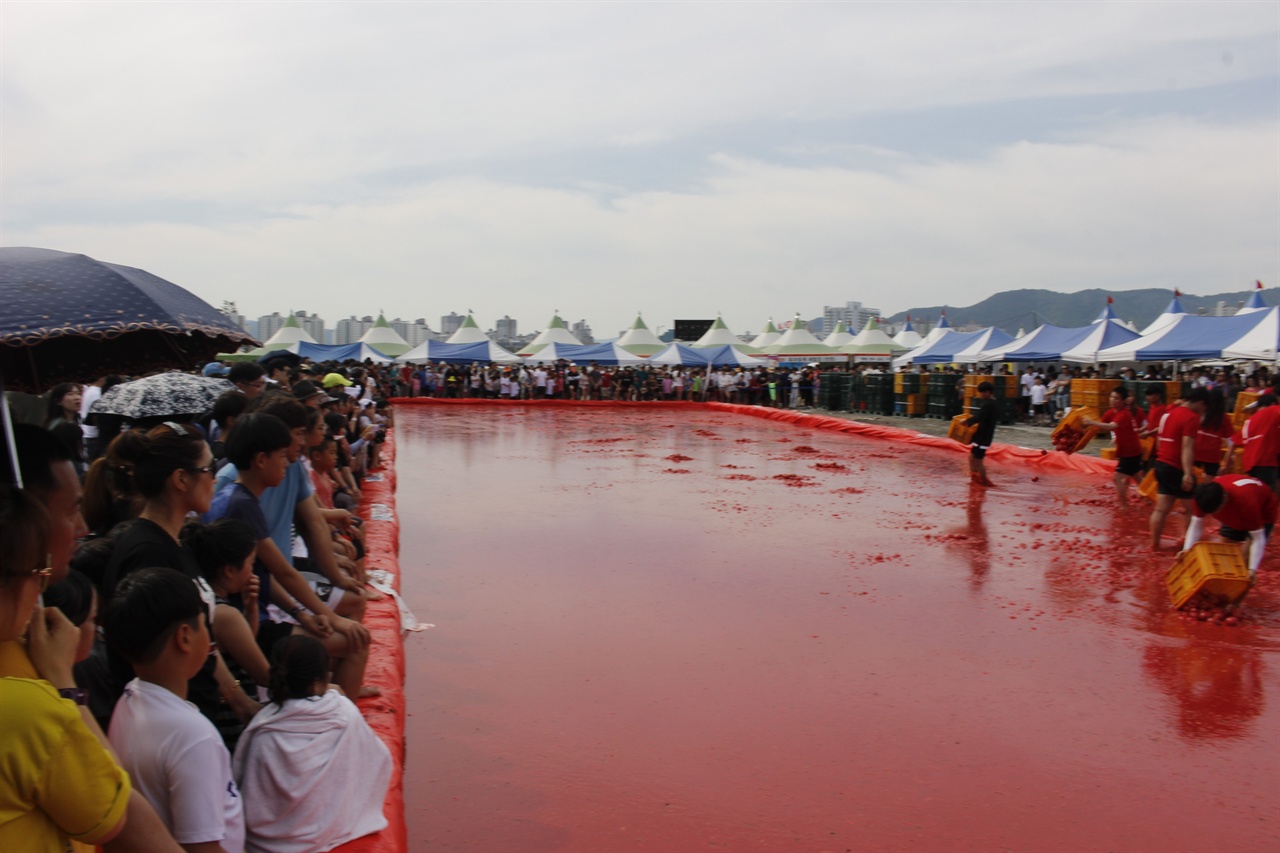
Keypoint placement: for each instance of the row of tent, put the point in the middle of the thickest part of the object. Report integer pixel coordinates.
(487, 351)
(1252, 334)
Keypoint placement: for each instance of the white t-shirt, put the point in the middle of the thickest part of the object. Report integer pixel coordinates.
(176, 759)
(91, 395)
(1039, 393)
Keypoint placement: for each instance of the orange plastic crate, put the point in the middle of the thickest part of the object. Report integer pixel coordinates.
(1108, 453)
(960, 432)
(1211, 567)
(1074, 419)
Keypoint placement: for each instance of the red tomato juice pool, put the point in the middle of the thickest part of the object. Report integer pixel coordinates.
(689, 630)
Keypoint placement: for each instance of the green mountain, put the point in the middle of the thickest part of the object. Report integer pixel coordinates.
(1025, 309)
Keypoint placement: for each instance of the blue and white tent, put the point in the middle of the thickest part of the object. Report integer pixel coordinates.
(1052, 343)
(481, 352)
(338, 352)
(1172, 312)
(1261, 343)
(608, 353)
(987, 339)
(721, 356)
(1191, 336)
(937, 348)
(1254, 302)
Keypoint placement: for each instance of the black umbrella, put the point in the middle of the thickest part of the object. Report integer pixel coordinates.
(70, 318)
(291, 358)
(162, 395)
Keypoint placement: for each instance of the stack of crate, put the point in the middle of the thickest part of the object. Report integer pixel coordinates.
(879, 393)
(835, 391)
(1241, 414)
(1095, 393)
(907, 397)
(1006, 394)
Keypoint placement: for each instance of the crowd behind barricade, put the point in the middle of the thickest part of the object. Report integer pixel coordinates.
(193, 586)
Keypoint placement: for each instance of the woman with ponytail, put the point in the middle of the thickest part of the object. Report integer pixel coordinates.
(1123, 420)
(311, 772)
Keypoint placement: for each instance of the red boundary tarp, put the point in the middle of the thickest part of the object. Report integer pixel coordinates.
(1051, 460)
(385, 713)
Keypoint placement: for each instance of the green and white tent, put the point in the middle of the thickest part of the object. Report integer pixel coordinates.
(286, 336)
(798, 344)
(872, 344)
(638, 340)
(839, 336)
(385, 339)
(719, 335)
(468, 333)
(556, 332)
(768, 337)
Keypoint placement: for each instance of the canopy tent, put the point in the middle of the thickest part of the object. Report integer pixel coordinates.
(1261, 343)
(288, 334)
(721, 356)
(908, 336)
(468, 333)
(986, 339)
(556, 332)
(550, 353)
(608, 353)
(1043, 343)
(339, 352)
(839, 336)
(719, 335)
(638, 340)
(799, 344)
(872, 344)
(1103, 335)
(1171, 312)
(1190, 336)
(1254, 302)
(385, 339)
(942, 349)
(768, 337)
(482, 352)
(939, 330)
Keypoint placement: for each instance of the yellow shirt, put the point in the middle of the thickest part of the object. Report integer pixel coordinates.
(58, 785)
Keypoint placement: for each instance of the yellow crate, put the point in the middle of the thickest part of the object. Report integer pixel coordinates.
(917, 404)
(1241, 414)
(959, 431)
(1108, 453)
(1211, 567)
(1073, 420)
(1148, 488)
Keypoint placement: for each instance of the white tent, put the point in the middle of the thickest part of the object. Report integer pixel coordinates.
(720, 335)
(1255, 302)
(1194, 337)
(290, 333)
(908, 336)
(1172, 312)
(556, 332)
(468, 333)
(938, 331)
(768, 337)
(839, 336)
(385, 339)
(638, 340)
(1259, 343)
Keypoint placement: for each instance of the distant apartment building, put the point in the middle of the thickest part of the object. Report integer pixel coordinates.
(352, 329)
(854, 314)
(450, 322)
(312, 324)
(269, 324)
(416, 332)
(582, 332)
(506, 328)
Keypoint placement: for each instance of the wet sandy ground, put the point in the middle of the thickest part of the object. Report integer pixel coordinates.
(692, 631)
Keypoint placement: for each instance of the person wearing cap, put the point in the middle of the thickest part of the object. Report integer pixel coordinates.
(335, 380)
(310, 393)
(215, 369)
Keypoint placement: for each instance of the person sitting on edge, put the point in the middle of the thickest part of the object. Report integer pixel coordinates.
(985, 419)
(1245, 506)
(158, 622)
(1175, 457)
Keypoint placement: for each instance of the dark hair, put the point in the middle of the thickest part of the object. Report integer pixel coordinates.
(255, 433)
(1215, 411)
(145, 610)
(1156, 391)
(55, 402)
(298, 661)
(142, 462)
(1197, 394)
(73, 595)
(245, 371)
(284, 406)
(1262, 402)
(226, 542)
(324, 442)
(91, 560)
(335, 423)
(986, 387)
(38, 450)
(271, 365)
(24, 532)
(230, 404)
(1209, 497)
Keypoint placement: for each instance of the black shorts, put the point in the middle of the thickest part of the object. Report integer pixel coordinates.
(1129, 465)
(1240, 535)
(1265, 473)
(1169, 481)
(269, 633)
(977, 451)
(1209, 468)
(1038, 408)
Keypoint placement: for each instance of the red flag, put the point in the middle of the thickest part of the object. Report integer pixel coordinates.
(1259, 284)
(1110, 301)
(1176, 293)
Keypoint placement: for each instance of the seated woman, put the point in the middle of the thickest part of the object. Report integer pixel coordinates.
(311, 772)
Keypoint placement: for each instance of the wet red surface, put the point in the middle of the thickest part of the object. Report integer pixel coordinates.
(884, 659)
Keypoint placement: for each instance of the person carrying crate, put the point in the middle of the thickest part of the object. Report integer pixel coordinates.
(985, 419)
(1244, 505)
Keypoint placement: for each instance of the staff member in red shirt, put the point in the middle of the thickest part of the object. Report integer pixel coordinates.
(1123, 419)
(1175, 457)
(1215, 429)
(1246, 506)
(1260, 438)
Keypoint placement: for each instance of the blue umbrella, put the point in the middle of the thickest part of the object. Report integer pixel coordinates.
(67, 318)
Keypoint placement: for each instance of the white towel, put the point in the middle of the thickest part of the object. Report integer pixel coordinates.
(313, 775)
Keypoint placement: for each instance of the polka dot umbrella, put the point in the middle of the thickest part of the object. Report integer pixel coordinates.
(69, 318)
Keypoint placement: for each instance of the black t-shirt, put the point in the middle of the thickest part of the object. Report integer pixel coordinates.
(986, 417)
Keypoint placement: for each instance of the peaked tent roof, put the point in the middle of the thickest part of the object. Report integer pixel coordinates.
(908, 336)
(1261, 343)
(480, 351)
(290, 333)
(872, 341)
(939, 330)
(1254, 303)
(385, 339)
(986, 339)
(839, 335)
(1188, 336)
(941, 350)
(638, 340)
(1103, 336)
(468, 333)
(1171, 312)
(1046, 342)
(721, 356)
(340, 352)
(798, 340)
(606, 353)
(720, 335)
(556, 332)
(768, 337)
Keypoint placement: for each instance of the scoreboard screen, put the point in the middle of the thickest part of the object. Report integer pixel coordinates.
(691, 330)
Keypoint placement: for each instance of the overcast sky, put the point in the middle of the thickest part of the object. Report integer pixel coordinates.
(752, 159)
